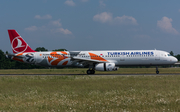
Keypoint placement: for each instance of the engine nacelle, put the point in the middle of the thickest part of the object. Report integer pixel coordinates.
(106, 67)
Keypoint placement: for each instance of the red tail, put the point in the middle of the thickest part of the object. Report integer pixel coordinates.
(17, 43)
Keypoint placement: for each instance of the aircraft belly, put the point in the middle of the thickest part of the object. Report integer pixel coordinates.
(138, 61)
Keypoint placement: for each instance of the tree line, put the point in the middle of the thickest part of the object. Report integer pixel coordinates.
(6, 63)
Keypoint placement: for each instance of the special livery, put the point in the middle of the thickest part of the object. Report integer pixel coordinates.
(95, 60)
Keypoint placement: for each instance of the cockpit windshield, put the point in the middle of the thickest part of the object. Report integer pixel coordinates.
(169, 54)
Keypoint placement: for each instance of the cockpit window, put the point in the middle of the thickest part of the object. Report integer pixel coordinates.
(169, 54)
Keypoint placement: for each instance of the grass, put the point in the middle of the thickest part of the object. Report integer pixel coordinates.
(83, 71)
(90, 93)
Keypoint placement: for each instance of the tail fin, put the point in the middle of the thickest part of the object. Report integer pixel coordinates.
(17, 43)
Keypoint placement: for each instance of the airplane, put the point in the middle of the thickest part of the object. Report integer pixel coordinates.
(108, 60)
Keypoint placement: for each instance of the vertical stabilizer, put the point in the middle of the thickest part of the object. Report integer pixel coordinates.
(17, 43)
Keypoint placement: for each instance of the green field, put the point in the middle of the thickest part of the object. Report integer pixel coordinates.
(83, 71)
(89, 92)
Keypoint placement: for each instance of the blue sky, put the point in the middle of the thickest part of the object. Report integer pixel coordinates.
(93, 24)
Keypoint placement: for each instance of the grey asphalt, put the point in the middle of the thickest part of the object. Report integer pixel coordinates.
(86, 74)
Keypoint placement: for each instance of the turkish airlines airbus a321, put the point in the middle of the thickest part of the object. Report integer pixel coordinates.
(96, 60)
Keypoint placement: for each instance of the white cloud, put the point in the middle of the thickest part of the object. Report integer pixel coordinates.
(43, 17)
(56, 23)
(70, 3)
(31, 28)
(108, 18)
(165, 25)
(53, 26)
(59, 29)
(64, 31)
(48, 28)
(101, 2)
(125, 20)
(103, 17)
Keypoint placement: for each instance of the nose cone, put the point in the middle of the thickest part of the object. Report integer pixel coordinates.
(174, 60)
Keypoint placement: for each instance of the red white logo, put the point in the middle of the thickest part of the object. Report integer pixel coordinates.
(18, 45)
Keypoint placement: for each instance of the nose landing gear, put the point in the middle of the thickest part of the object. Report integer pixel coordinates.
(157, 71)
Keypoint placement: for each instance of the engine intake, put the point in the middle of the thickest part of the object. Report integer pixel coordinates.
(106, 67)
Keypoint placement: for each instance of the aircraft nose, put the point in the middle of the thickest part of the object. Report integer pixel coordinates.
(174, 59)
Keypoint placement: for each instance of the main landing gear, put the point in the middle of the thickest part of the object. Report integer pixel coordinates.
(90, 71)
(157, 71)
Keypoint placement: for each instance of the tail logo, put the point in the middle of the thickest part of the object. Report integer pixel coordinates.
(18, 45)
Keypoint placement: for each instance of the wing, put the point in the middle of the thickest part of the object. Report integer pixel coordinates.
(88, 60)
(77, 61)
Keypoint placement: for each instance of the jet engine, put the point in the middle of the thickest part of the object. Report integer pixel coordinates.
(106, 67)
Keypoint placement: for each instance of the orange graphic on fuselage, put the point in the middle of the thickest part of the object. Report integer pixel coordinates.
(17, 59)
(49, 59)
(96, 57)
(19, 54)
(65, 63)
(58, 56)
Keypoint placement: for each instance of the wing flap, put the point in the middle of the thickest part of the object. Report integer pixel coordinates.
(89, 60)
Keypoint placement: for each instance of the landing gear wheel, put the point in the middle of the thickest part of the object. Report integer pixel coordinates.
(157, 72)
(90, 72)
(93, 72)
